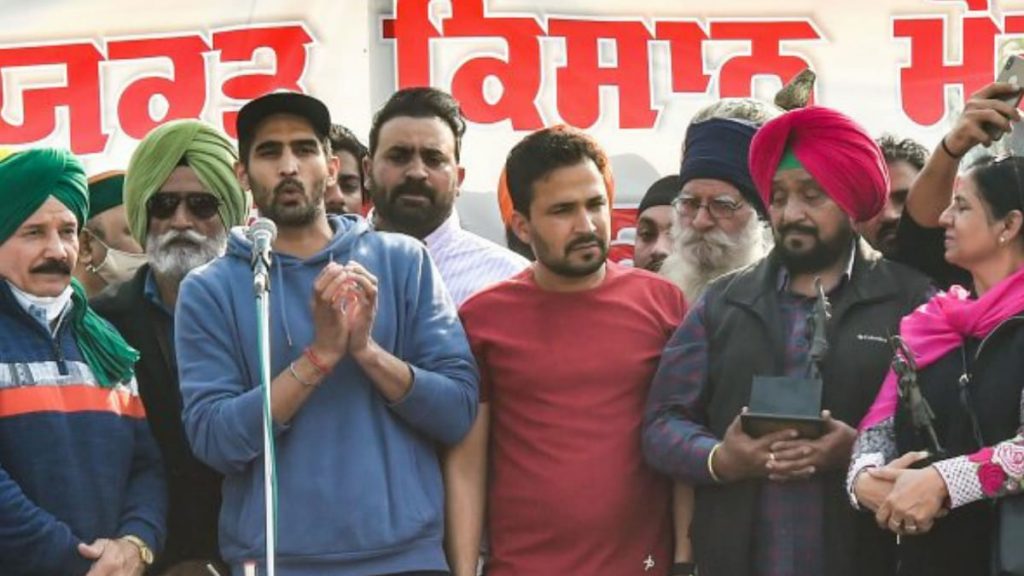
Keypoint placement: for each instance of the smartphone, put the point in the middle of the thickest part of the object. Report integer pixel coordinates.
(1013, 72)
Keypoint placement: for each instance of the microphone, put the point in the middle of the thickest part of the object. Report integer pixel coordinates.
(262, 234)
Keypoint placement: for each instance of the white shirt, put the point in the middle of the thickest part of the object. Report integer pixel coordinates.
(468, 262)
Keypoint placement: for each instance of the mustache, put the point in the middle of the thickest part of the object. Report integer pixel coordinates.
(288, 184)
(173, 236)
(656, 262)
(787, 228)
(888, 227)
(414, 187)
(585, 239)
(52, 267)
(715, 237)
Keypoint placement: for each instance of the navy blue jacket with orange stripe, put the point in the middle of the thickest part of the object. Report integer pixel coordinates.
(77, 462)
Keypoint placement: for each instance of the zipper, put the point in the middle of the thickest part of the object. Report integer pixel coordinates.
(52, 338)
(55, 338)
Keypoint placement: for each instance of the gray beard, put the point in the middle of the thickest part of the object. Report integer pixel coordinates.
(177, 260)
(696, 259)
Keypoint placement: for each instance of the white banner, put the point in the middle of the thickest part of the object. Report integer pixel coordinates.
(96, 75)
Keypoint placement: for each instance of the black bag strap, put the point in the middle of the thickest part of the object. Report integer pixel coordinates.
(963, 385)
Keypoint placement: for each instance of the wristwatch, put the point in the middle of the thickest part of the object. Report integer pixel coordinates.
(144, 551)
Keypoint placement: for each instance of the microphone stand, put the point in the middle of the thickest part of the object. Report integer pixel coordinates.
(261, 286)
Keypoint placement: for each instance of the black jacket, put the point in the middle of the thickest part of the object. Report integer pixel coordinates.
(961, 542)
(194, 489)
(745, 339)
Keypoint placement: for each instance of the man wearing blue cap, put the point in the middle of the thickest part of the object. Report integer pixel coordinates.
(81, 485)
(372, 373)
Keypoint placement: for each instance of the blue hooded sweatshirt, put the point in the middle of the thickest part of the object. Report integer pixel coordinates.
(359, 484)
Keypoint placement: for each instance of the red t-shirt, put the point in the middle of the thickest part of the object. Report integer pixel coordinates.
(566, 375)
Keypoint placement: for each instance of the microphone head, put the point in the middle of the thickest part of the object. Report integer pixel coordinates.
(263, 227)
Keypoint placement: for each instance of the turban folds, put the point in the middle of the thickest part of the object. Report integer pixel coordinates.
(106, 191)
(29, 177)
(208, 152)
(836, 151)
(717, 149)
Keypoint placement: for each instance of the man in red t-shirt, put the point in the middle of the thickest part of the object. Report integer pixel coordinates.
(567, 350)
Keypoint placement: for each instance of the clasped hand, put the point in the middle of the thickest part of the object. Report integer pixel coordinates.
(344, 308)
(112, 558)
(905, 501)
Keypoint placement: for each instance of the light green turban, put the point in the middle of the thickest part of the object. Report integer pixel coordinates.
(29, 177)
(208, 152)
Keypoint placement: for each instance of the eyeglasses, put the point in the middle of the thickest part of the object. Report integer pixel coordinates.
(718, 208)
(163, 205)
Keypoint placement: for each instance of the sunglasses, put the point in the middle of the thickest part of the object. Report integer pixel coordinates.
(200, 204)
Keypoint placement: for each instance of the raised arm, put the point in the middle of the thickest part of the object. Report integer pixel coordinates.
(932, 190)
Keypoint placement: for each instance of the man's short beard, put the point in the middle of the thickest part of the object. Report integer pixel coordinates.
(563, 266)
(698, 258)
(175, 253)
(821, 255)
(418, 223)
(296, 216)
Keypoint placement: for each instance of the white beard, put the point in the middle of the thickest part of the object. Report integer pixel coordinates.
(178, 259)
(697, 259)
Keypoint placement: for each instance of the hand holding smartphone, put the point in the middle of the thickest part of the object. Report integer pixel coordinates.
(1011, 73)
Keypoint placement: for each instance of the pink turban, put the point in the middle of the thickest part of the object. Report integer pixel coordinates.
(834, 149)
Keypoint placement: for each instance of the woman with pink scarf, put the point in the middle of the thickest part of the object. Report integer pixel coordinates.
(969, 352)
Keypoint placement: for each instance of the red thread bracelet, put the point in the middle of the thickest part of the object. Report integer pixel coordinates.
(315, 361)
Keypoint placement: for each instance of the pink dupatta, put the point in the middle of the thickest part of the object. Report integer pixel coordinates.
(941, 325)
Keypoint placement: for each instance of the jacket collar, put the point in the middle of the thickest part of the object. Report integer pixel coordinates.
(758, 284)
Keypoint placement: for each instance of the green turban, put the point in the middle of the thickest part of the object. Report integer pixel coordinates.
(208, 152)
(29, 177)
(106, 191)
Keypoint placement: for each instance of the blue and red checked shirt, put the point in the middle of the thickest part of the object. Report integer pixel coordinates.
(789, 525)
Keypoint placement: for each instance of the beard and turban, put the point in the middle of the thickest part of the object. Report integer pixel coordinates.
(836, 151)
(206, 150)
(27, 180)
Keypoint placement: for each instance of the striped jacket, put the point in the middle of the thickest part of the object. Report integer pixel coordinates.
(77, 462)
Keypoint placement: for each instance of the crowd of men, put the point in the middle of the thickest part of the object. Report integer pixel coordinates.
(442, 404)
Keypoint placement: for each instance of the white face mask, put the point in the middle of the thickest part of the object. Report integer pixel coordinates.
(52, 306)
(117, 266)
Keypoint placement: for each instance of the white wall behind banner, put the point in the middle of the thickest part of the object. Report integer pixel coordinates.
(79, 72)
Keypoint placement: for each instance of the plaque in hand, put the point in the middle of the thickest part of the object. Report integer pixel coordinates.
(783, 402)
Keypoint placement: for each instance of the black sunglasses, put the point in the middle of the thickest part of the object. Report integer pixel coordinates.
(163, 205)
